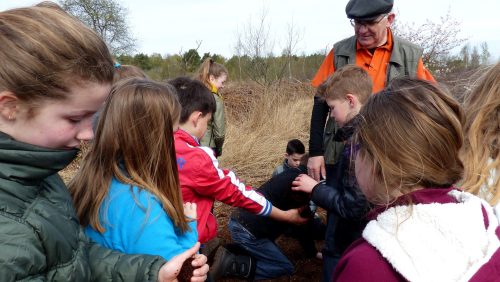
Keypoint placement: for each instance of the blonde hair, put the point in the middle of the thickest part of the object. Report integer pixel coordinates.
(45, 50)
(210, 68)
(127, 71)
(135, 132)
(482, 135)
(411, 132)
(350, 79)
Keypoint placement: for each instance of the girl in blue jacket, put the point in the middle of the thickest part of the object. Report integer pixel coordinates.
(127, 191)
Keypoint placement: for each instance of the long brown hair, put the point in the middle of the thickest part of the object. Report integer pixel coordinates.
(482, 135)
(135, 131)
(210, 68)
(411, 133)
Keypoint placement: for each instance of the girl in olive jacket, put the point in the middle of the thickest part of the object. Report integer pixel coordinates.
(214, 75)
(55, 74)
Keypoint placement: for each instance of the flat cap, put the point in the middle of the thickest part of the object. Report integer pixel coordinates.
(367, 10)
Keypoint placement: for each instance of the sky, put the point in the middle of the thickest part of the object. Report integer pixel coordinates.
(175, 26)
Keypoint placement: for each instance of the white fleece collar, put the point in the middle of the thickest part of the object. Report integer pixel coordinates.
(436, 242)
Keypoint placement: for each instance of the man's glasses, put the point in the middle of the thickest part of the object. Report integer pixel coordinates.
(359, 23)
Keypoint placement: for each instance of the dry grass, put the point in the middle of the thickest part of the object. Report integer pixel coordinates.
(69, 172)
(259, 123)
(461, 83)
(259, 126)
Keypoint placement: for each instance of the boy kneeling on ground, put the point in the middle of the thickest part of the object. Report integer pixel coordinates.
(203, 182)
(257, 235)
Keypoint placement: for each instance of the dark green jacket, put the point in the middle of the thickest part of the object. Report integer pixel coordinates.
(40, 236)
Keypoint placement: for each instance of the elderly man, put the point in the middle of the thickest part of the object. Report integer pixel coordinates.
(385, 57)
(375, 49)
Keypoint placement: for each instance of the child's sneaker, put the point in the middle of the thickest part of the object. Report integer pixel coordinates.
(208, 249)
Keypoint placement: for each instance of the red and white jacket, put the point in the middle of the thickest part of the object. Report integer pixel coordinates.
(203, 182)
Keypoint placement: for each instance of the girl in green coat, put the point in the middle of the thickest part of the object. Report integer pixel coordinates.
(55, 74)
(214, 75)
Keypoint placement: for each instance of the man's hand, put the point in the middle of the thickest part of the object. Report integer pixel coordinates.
(170, 270)
(316, 167)
(304, 183)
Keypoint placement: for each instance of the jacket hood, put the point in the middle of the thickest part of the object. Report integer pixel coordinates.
(436, 241)
(29, 164)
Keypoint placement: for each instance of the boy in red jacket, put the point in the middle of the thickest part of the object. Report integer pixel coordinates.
(203, 182)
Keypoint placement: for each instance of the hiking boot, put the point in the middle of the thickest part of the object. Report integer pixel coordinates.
(209, 248)
(227, 264)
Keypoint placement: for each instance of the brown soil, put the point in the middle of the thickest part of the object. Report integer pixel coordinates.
(186, 271)
(306, 269)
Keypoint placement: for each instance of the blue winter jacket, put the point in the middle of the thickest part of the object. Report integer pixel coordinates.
(136, 223)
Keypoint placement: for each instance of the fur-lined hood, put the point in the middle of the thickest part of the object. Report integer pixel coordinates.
(436, 242)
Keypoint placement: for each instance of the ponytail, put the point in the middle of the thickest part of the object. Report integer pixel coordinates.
(210, 67)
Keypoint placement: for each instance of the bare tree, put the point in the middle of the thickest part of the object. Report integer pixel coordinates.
(475, 58)
(437, 38)
(239, 52)
(485, 54)
(191, 59)
(293, 37)
(107, 18)
(465, 55)
(256, 45)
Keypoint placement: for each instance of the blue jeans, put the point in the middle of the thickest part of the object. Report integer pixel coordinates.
(271, 262)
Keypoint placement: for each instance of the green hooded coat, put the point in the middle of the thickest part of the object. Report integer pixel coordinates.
(40, 236)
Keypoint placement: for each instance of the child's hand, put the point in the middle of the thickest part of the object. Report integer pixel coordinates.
(190, 210)
(293, 216)
(304, 183)
(201, 271)
(170, 270)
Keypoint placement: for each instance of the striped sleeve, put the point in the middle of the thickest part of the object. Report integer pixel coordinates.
(225, 186)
